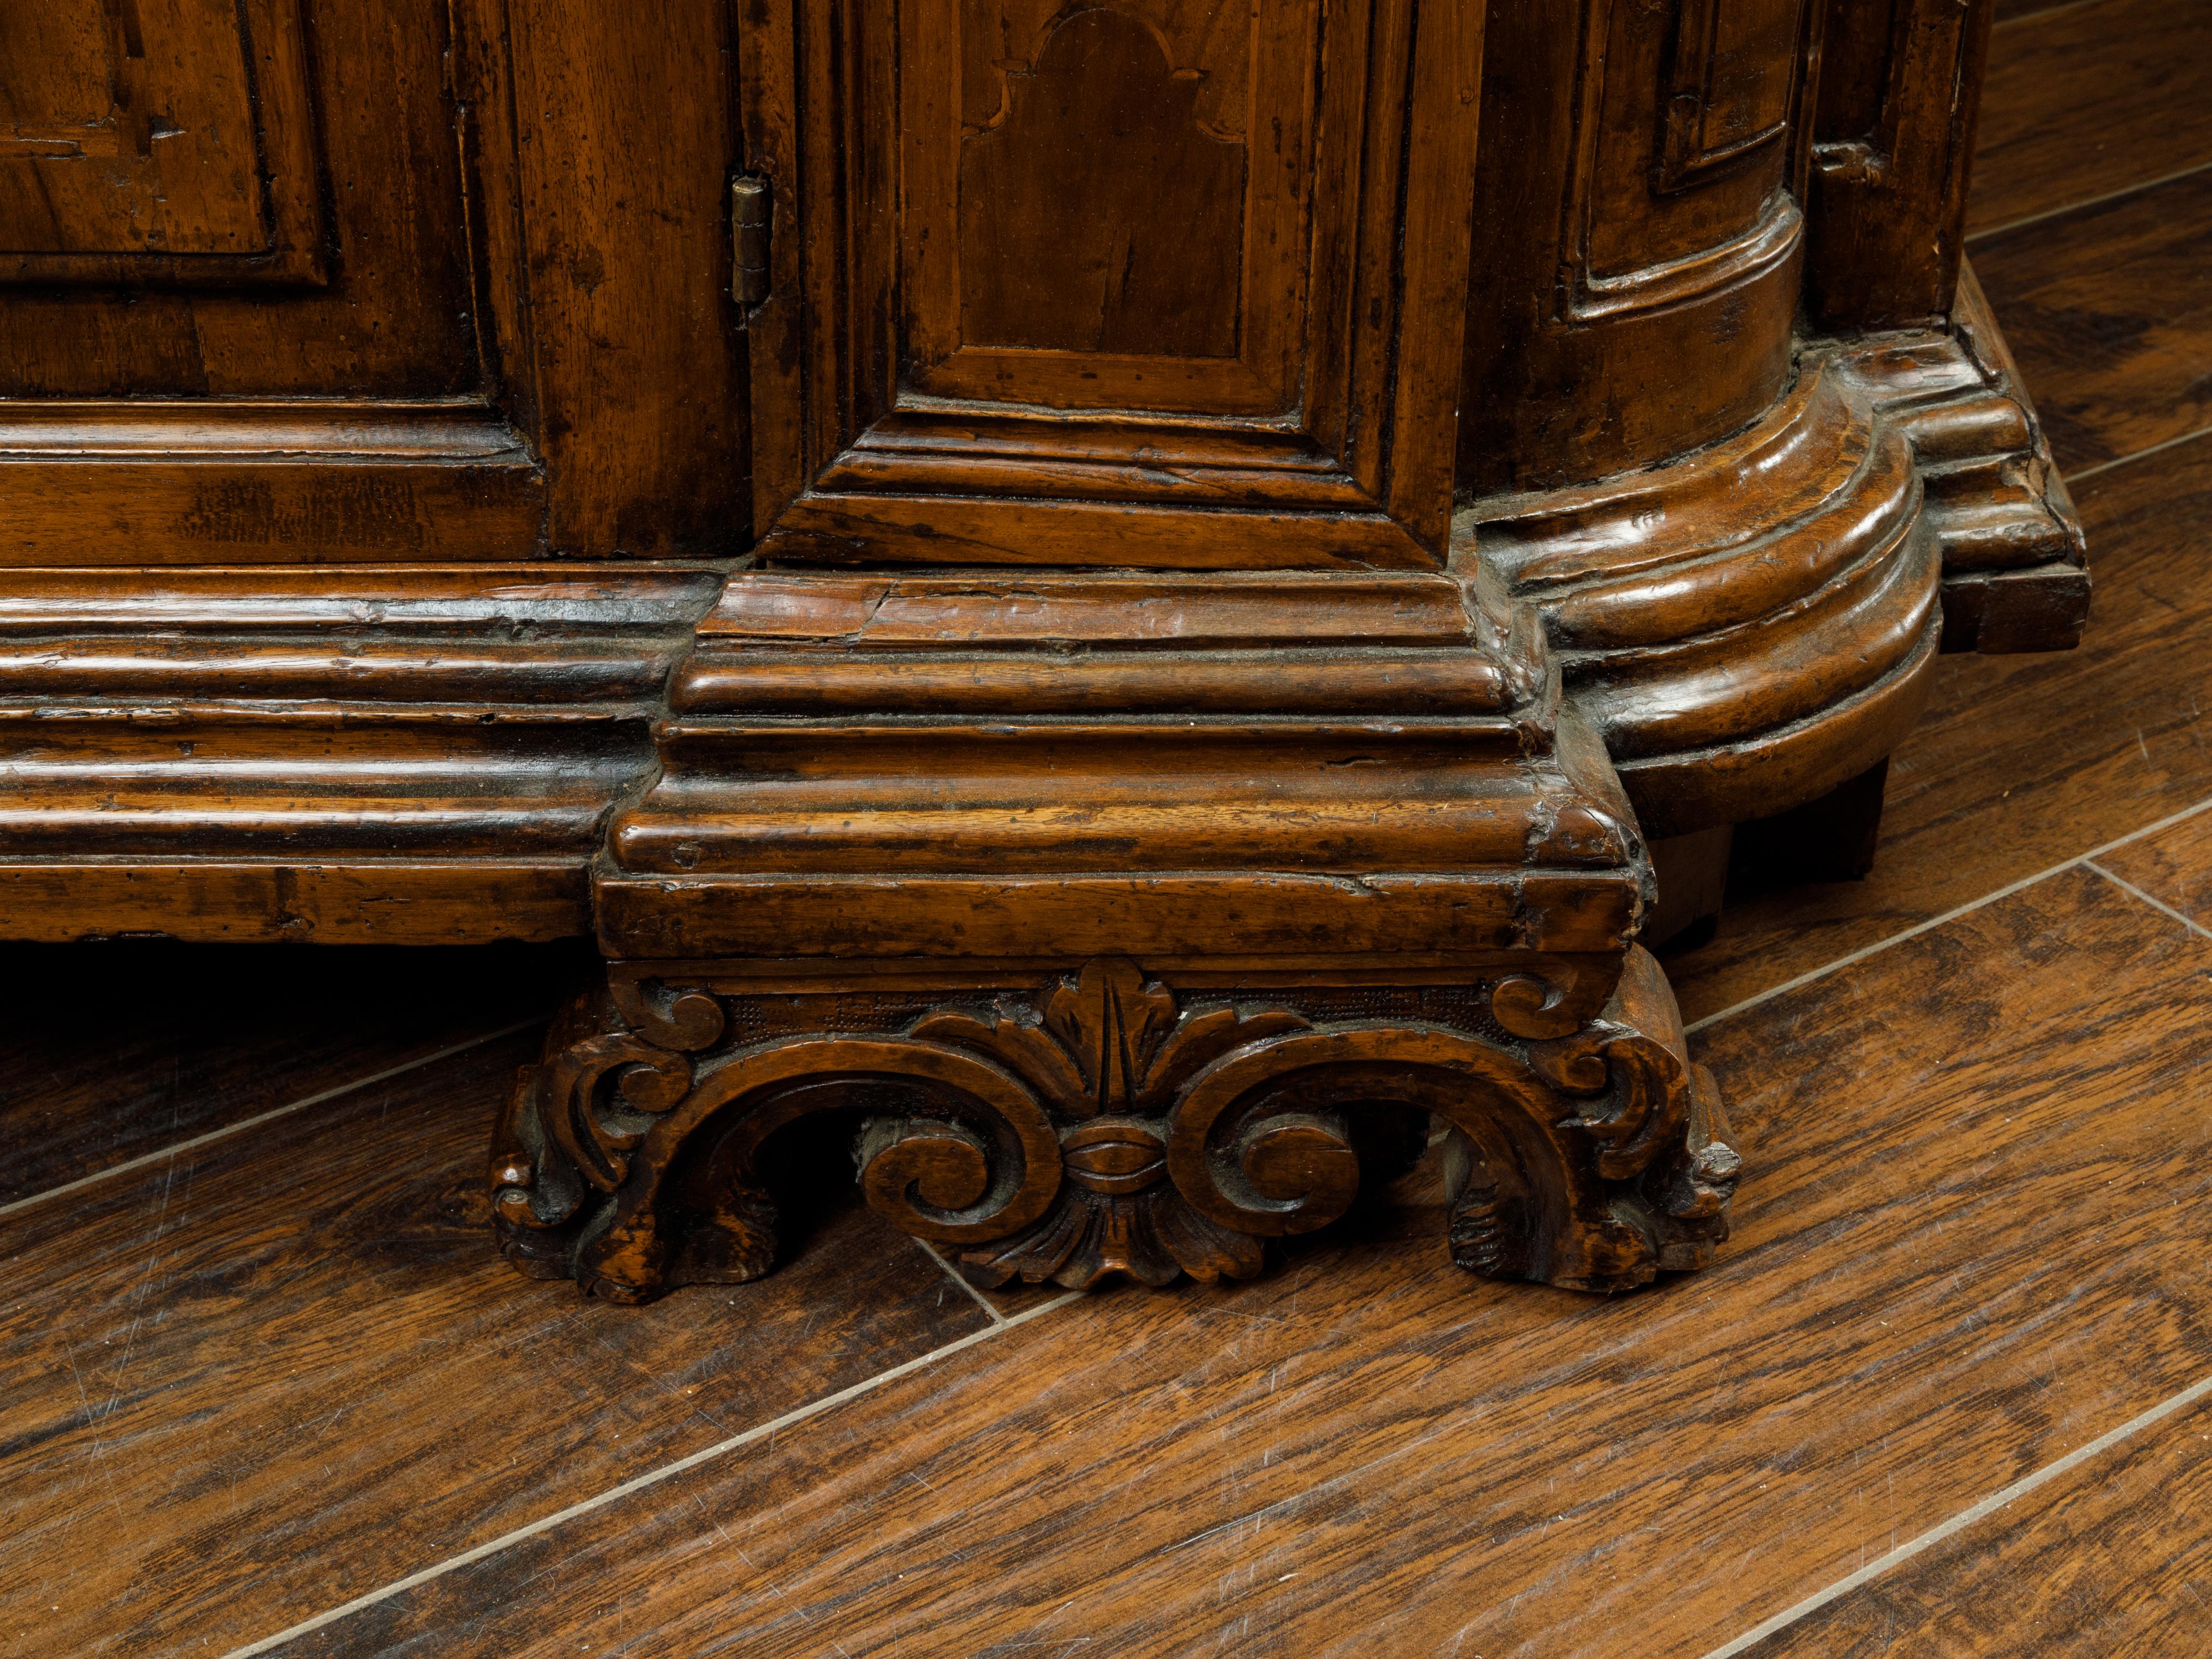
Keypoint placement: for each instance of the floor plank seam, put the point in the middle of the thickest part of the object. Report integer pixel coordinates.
(271, 1115)
(2044, 11)
(2136, 455)
(650, 1478)
(1966, 1517)
(954, 1274)
(2188, 922)
(2011, 225)
(1850, 957)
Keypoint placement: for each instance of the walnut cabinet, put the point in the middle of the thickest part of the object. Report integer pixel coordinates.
(1129, 603)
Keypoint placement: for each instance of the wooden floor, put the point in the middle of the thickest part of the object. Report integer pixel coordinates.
(265, 1387)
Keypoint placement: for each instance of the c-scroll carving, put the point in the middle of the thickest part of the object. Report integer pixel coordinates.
(1104, 1128)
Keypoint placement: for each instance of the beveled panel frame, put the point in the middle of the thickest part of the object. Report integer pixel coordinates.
(1770, 240)
(1326, 443)
(1691, 147)
(283, 140)
(1261, 380)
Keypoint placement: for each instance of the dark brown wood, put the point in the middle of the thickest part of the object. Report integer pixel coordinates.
(1100, 1124)
(229, 1040)
(370, 202)
(277, 1345)
(394, 754)
(1241, 815)
(2173, 867)
(1640, 220)
(352, 115)
(87, 92)
(1948, 1276)
(1343, 1455)
(114, 481)
(626, 140)
(1247, 491)
(897, 318)
(1757, 624)
(1893, 136)
(2086, 101)
(2110, 313)
(2107, 1558)
(2020, 763)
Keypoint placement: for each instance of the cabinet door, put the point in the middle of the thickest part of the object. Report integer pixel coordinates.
(1146, 282)
(366, 281)
(155, 140)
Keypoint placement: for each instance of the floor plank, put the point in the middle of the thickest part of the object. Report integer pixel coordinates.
(2114, 1557)
(2109, 310)
(2174, 867)
(2086, 99)
(1972, 1240)
(117, 1050)
(2021, 762)
(265, 1376)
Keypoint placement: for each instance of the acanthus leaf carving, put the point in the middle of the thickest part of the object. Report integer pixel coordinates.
(1106, 1052)
(1103, 1126)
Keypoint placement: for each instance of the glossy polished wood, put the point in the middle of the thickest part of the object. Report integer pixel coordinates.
(2015, 768)
(313, 1371)
(2121, 319)
(394, 754)
(331, 281)
(1318, 373)
(1247, 493)
(1361, 1452)
(1104, 1122)
(1819, 1477)
(2084, 100)
(1631, 226)
(2107, 1560)
(2172, 868)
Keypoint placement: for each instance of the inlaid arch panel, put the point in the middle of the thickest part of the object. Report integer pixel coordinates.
(1111, 281)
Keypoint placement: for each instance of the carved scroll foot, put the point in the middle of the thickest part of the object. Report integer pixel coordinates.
(1094, 1124)
(1641, 1165)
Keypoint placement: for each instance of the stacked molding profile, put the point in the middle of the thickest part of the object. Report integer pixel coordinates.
(1751, 627)
(1121, 920)
(1125, 922)
(1031, 589)
(394, 754)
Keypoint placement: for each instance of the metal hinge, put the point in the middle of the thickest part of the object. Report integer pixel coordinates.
(751, 210)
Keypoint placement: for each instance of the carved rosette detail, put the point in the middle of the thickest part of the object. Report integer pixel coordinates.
(1103, 1129)
(1109, 1056)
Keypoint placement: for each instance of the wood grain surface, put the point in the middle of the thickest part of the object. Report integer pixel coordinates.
(639, 380)
(1971, 1248)
(98, 1075)
(2108, 311)
(2020, 762)
(2082, 101)
(270, 1374)
(245, 1383)
(2174, 866)
(2113, 1557)
(397, 320)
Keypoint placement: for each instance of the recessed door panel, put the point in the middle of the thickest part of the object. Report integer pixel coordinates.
(1123, 283)
(155, 140)
(1113, 239)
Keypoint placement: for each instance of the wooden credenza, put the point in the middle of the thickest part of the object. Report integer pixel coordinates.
(1135, 600)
